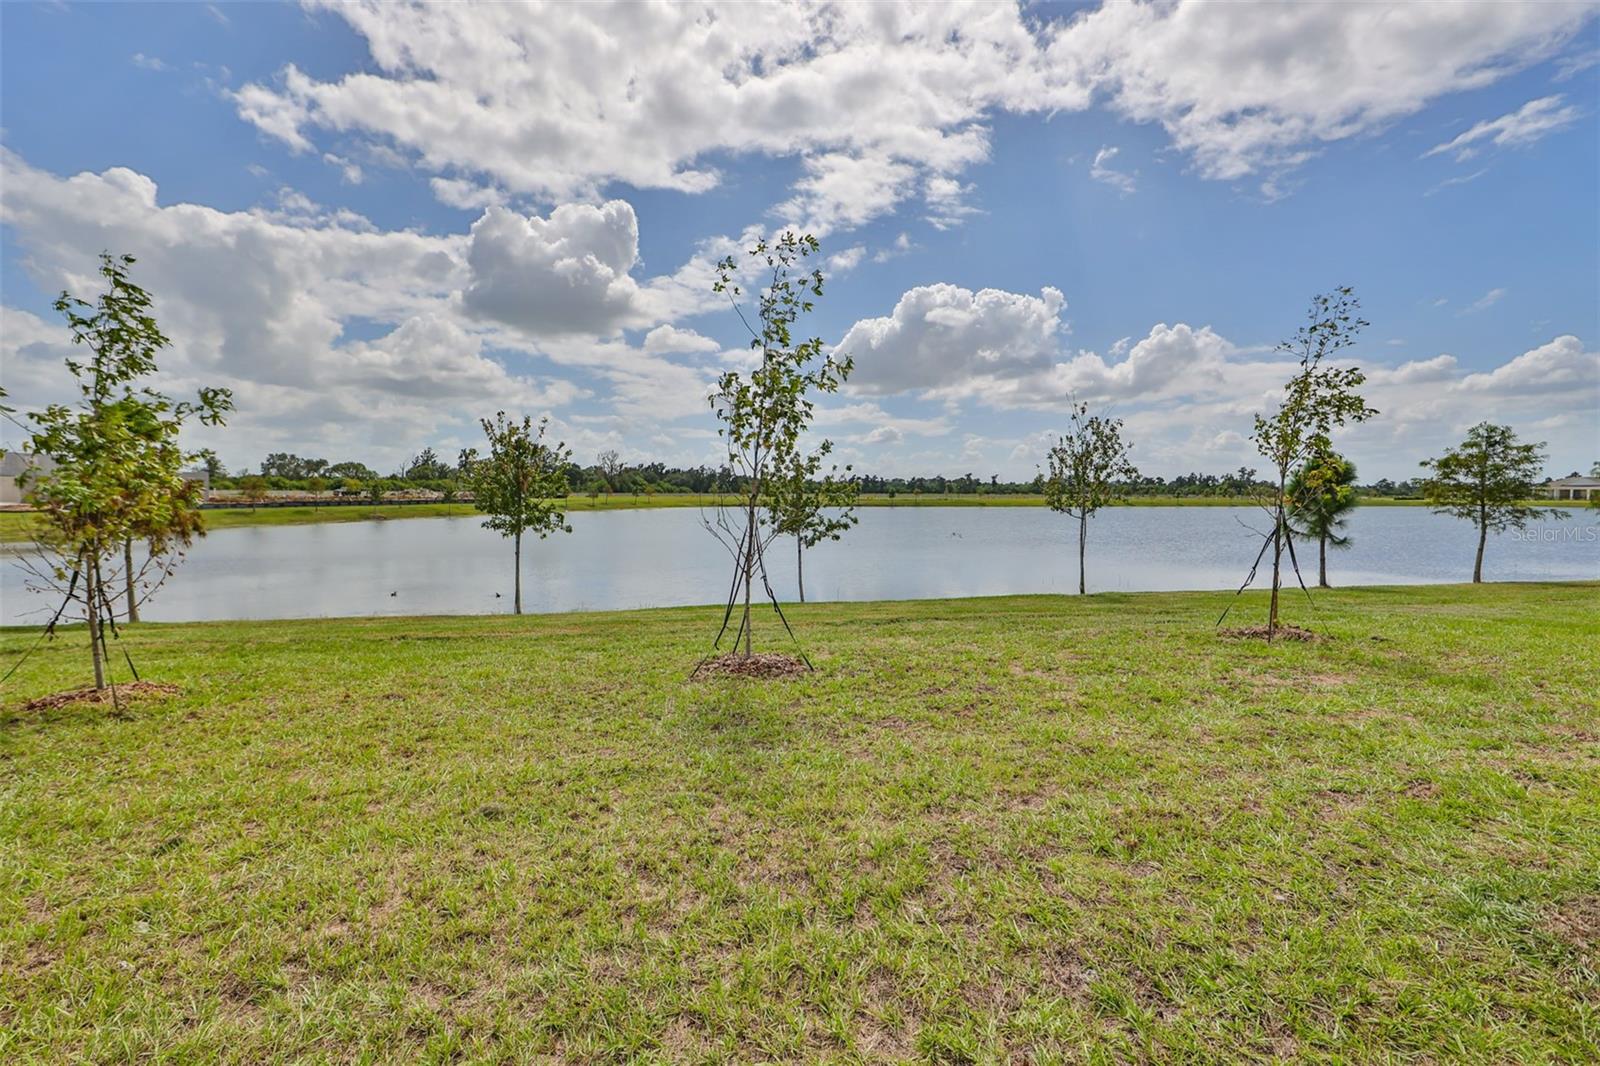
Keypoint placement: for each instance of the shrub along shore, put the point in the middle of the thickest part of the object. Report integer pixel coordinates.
(1028, 828)
(20, 525)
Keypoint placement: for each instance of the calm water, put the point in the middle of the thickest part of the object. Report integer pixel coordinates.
(664, 557)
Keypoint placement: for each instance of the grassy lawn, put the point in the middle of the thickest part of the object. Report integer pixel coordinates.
(1031, 829)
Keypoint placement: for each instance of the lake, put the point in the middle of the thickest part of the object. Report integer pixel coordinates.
(665, 557)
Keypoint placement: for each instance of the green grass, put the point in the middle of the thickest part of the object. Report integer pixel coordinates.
(21, 525)
(1027, 829)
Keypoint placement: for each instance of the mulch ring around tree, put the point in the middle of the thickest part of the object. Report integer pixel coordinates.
(1260, 633)
(126, 693)
(760, 667)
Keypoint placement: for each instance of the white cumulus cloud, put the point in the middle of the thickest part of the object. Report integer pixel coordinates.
(880, 103)
(568, 273)
(945, 336)
(1244, 87)
(338, 337)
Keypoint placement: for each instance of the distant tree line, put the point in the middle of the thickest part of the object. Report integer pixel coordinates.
(609, 474)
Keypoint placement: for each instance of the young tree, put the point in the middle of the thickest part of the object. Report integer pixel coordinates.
(811, 506)
(519, 484)
(610, 464)
(1089, 466)
(1486, 479)
(118, 476)
(764, 413)
(253, 487)
(1317, 400)
(1322, 493)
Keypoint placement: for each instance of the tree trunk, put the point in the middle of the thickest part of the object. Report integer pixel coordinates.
(750, 533)
(1083, 534)
(1477, 566)
(800, 566)
(516, 598)
(91, 590)
(1277, 571)
(1322, 562)
(127, 568)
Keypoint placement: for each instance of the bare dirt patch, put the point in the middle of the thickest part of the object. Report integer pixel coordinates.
(1582, 736)
(1577, 921)
(133, 690)
(759, 667)
(1065, 971)
(886, 1023)
(1332, 800)
(1260, 633)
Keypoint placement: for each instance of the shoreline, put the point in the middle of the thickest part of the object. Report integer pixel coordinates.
(956, 604)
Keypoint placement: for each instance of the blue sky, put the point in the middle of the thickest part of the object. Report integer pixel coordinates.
(378, 224)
